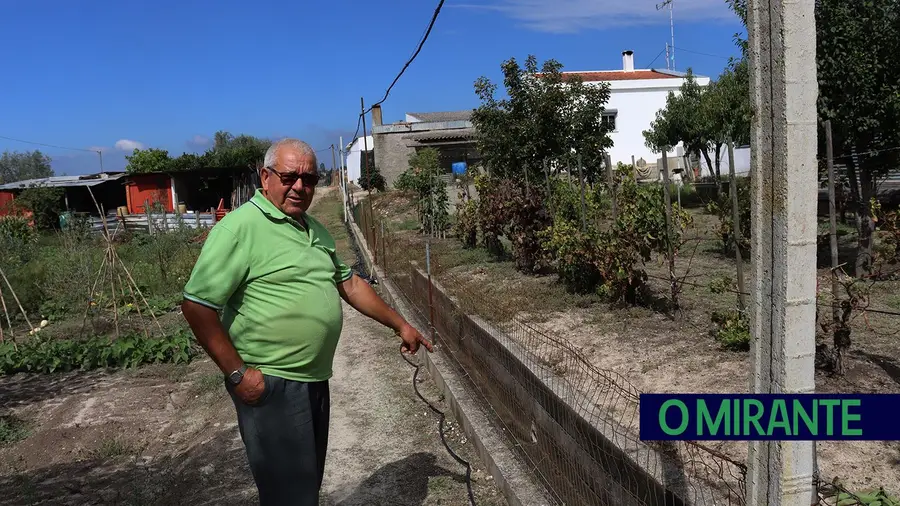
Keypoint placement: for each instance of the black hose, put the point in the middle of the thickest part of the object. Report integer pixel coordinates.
(441, 419)
(360, 268)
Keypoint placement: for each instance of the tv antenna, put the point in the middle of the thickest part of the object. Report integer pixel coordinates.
(671, 5)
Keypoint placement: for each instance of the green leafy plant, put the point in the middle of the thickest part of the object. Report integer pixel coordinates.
(466, 225)
(423, 178)
(722, 208)
(45, 202)
(732, 330)
(526, 216)
(874, 497)
(44, 355)
(374, 181)
(16, 229)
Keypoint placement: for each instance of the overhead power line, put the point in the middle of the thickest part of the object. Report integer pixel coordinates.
(703, 54)
(412, 58)
(49, 145)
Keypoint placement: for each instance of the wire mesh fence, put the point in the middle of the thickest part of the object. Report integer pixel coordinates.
(574, 424)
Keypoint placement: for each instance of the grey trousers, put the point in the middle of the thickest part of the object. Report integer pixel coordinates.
(285, 434)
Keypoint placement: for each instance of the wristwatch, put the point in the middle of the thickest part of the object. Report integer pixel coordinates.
(237, 376)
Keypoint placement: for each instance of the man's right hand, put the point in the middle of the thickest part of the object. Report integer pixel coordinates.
(252, 386)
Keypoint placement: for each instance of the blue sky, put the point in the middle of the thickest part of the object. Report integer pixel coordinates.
(113, 75)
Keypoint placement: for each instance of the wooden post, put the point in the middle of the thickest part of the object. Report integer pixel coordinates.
(633, 169)
(736, 227)
(197, 218)
(611, 186)
(149, 217)
(832, 214)
(669, 234)
(583, 207)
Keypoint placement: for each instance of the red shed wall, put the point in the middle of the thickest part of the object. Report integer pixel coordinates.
(149, 188)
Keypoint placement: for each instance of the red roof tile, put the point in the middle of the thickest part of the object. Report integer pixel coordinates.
(619, 75)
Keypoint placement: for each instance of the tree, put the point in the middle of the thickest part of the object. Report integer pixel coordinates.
(547, 116)
(227, 151)
(16, 166)
(240, 151)
(690, 118)
(858, 56)
(858, 66)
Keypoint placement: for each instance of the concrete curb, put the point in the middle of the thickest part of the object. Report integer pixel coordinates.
(507, 469)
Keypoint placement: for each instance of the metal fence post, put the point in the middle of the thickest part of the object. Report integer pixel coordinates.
(430, 289)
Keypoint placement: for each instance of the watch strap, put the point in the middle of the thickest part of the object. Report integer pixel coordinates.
(237, 376)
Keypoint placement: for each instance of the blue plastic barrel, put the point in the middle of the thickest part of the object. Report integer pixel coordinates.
(458, 167)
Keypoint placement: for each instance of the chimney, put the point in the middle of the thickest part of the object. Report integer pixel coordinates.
(628, 61)
(376, 115)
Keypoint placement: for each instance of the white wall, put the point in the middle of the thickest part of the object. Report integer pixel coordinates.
(354, 157)
(636, 103)
(741, 162)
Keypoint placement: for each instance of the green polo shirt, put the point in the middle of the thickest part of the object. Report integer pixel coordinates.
(276, 283)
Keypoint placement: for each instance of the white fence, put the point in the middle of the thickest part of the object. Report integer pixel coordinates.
(153, 223)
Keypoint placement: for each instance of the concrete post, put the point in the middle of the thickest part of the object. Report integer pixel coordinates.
(783, 89)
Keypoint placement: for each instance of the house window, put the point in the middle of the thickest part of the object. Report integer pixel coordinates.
(609, 120)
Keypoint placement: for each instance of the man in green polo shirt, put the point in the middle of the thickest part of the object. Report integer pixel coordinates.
(272, 271)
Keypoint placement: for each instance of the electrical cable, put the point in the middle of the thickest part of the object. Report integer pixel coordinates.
(419, 47)
(654, 60)
(95, 151)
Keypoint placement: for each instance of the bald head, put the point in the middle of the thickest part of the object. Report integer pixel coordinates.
(301, 148)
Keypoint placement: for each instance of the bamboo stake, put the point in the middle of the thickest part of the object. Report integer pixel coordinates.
(137, 305)
(12, 335)
(16, 297)
(112, 286)
(97, 279)
(131, 279)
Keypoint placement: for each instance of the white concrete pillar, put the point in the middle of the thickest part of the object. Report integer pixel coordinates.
(783, 289)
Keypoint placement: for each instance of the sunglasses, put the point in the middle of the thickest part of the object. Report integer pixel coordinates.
(290, 178)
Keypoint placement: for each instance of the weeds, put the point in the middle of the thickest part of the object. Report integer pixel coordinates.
(13, 429)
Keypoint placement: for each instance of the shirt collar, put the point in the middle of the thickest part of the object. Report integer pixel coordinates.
(269, 209)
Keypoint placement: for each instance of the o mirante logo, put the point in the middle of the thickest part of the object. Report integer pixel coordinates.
(768, 417)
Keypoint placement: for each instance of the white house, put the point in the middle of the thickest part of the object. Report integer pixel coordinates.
(635, 97)
(354, 156)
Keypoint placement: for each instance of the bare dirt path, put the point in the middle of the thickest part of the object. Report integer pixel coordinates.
(167, 435)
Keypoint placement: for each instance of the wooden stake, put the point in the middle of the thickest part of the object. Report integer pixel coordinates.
(583, 206)
(832, 214)
(8, 321)
(736, 228)
(669, 234)
(611, 186)
(112, 285)
(16, 297)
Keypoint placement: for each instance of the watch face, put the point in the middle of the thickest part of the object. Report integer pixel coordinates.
(236, 377)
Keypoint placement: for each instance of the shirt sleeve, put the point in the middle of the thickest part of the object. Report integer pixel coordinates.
(341, 271)
(223, 266)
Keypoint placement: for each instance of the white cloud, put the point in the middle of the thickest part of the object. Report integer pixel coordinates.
(572, 16)
(200, 140)
(128, 145)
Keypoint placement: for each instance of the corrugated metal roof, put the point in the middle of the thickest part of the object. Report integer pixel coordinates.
(437, 117)
(456, 133)
(63, 181)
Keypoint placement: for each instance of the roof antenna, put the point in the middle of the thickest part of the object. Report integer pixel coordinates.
(671, 5)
